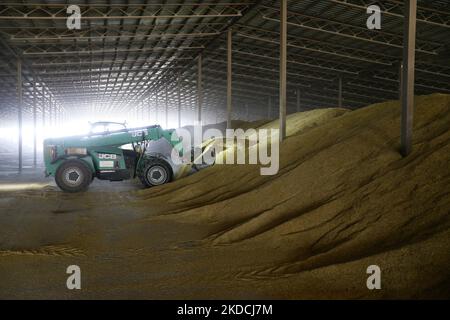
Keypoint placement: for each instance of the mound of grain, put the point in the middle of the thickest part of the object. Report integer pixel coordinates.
(295, 123)
(343, 193)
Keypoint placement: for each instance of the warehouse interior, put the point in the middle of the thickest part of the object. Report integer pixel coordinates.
(364, 120)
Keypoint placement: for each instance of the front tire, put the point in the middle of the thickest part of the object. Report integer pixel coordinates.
(73, 176)
(155, 172)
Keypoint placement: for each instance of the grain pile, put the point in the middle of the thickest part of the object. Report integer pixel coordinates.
(343, 198)
(295, 123)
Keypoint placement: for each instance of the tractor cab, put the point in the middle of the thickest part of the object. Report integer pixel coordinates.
(106, 127)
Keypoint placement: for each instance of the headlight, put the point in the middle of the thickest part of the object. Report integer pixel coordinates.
(53, 153)
(76, 151)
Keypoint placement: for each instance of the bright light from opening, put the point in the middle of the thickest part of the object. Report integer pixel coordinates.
(79, 125)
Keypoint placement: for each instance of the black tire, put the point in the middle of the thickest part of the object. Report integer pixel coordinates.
(73, 176)
(155, 172)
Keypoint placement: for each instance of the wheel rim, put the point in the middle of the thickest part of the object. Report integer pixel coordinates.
(157, 175)
(73, 176)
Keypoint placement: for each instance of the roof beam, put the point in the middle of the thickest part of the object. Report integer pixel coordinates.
(348, 30)
(394, 8)
(57, 11)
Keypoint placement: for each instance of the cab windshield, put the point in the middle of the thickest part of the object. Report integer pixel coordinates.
(105, 127)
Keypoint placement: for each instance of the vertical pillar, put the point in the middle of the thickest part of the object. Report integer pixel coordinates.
(34, 122)
(269, 107)
(20, 105)
(340, 92)
(283, 67)
(50, 111)
(199, 89)
(57, 114)
(247, 114)
(149, 109)
(409, 47)
(166, 108)
(298, 99)
(156, 108)
(229, 76)
(43, 102)
(53, 109)
(400, 82)
(136, 113)
(179, 99)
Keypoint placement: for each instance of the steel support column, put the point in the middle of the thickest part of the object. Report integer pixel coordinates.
(229, 76)
(199, 90)
(20, 106)
(166, 111)
(149, 111)
(43, 102)
(400, 82)
(50, 111)
(156, 108)
(283, 67)
(269, 107)
(34, 122)
(179, 100)
(340, 92)
(409, 45)
(298, 99)
(57, 113)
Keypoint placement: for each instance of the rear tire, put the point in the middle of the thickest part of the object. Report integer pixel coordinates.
(73, 176)
(155, 172)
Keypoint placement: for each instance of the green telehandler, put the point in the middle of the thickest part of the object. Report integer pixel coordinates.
(75, 161)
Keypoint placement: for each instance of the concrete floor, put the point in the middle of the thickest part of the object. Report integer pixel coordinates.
(34, 177)
(123, 250)
(129, 247)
